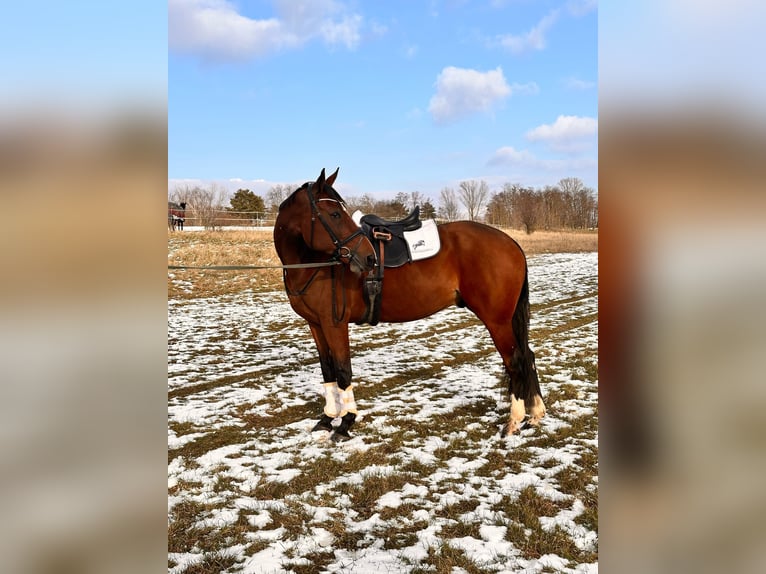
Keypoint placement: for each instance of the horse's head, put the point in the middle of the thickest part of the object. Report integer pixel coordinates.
(319, 214)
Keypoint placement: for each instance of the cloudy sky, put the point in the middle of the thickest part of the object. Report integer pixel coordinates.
(401, 95)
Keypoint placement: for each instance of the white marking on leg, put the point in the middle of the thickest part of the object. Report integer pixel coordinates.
(536, 411)
(348, 404)
(331, 399)
(517, 414)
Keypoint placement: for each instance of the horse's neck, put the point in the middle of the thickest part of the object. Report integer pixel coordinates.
(291, 248)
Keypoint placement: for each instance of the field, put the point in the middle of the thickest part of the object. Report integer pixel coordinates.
(427, 484)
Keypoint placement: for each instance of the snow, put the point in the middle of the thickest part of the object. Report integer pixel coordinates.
(251, 355)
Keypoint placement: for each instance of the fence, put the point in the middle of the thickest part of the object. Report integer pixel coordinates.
(221, 218)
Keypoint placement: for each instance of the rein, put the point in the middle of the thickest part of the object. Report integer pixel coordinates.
(244, 267)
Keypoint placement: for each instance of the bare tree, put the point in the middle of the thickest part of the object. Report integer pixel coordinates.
(581, 203)
(205, 204)
(364, 203)
(448, 204)
(474, 196)
(277, 194)
(527, 208)
(412, 199)
(180, 193)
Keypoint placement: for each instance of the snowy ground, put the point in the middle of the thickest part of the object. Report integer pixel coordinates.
(426, 485)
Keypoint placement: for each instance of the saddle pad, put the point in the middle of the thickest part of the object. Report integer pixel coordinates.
(424, 242)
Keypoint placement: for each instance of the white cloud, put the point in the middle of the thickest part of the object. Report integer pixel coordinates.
(462, 91)
(345, 32)
(579, 8)
(577, 84)
(215, 30)
(567, 133)
(509, 156)
(534, 39)
(528, 89)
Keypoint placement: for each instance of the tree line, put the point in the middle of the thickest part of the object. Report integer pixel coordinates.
(567, 205)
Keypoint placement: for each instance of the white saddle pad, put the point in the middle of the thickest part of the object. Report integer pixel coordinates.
(424, 242)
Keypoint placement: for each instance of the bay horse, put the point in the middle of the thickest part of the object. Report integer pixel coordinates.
(478, 267)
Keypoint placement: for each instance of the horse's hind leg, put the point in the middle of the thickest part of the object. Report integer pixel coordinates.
(523, 384)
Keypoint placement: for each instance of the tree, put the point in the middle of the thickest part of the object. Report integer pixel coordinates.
(202, 204)
(473, 196)
(581, 203)
(427, 210)
(448, 205)
(391, 209)
(247, 205)
(364, 203)
(277, 194)
(500, 210)
(526, 206)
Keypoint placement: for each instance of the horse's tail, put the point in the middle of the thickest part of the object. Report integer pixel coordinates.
(524, 382)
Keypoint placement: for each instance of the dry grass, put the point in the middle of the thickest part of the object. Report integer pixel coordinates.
(256, 247)
(203, 248)
(555, 241)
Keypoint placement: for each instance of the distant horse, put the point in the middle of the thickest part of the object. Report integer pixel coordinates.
(478, 267)
(176, 215)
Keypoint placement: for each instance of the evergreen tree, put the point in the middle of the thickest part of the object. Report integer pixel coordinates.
(247, 204)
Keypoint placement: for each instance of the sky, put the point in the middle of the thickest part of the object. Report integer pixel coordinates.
(403, 96)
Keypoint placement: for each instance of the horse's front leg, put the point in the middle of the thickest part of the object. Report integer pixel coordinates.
(336, 336)
(332, 400)
(335, 360)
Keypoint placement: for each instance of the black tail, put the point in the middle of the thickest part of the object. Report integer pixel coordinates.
(524, 383)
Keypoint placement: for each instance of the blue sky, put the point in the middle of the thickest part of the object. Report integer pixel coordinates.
(401, 95)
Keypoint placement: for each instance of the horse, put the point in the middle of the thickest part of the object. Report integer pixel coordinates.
(176, 215)
(478, 267)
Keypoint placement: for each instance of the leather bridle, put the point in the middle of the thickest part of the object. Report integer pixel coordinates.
(342, 251)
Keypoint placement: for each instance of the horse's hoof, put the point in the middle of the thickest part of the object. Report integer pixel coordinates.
(340, 436)
(324, 424)
(513, 427)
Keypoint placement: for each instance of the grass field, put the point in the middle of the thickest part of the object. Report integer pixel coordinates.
(427, 484)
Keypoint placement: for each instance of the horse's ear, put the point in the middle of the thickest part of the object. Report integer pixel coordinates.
(331, 179)
(320, 180)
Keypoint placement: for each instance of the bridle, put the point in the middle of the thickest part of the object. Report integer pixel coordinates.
(342, 251)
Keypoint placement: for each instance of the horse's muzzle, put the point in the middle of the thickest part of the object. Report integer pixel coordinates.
(361, 258)
(361, 265)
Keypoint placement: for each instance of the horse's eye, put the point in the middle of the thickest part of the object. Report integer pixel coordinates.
(335, 214)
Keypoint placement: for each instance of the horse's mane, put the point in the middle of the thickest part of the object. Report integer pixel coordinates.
(328, 189)
(291, 198)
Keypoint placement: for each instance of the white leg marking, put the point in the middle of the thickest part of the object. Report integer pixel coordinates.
(331, 399)
(536, 411)
(517, 414)
(348, 404)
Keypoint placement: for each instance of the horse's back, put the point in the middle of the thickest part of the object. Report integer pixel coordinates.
(466, 239)
(475, 262)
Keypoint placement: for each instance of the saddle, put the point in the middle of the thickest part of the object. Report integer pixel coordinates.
(387, 237)
(395, 243)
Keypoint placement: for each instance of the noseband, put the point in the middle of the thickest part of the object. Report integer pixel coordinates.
(341, 245)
